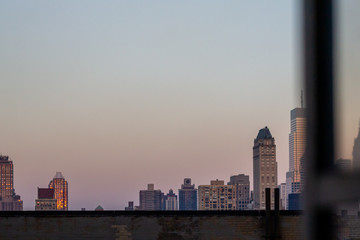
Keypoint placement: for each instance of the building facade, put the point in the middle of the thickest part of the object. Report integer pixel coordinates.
(171, 201)
(46, 200)
(242, 184)
(283, 196)
(295, 201)
(297, 143)
(217, 196)
(130, 206)
(9, 201)
(7, 177)
(151, 199)
(60, 186)
(188, 196)
(264, 167)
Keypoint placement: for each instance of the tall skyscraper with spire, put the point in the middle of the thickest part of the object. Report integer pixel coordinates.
(60, 186)
(297, 143)
(264, 167)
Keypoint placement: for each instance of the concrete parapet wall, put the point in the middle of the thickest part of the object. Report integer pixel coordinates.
(249, 225)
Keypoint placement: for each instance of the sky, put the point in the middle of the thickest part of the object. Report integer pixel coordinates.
(119, 94)
(347, 85)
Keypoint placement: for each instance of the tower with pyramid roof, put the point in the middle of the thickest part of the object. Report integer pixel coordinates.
(264, 167)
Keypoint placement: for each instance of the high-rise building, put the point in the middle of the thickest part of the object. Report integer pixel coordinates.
(242, 184)
(60, 186)
(264, 167)
(46, 200)
(7, 177)
(9, 201)
(187, 196)
(297, 143)
(283, 197)
(295, 177)
(356, 153)
(288, 188)
(171, 201)
(151, 199)
(217, 196)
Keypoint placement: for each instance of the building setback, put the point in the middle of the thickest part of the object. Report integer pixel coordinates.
(171, 201)
(150, 199)
(242, 184)
(60, 186)
(188, 196)
(264, 167)
(217, 196)
(9, 201)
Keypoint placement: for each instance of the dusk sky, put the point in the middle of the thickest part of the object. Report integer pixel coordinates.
(348, 75)
(119, 94)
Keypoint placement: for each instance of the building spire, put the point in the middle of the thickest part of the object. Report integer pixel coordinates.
(302, 99)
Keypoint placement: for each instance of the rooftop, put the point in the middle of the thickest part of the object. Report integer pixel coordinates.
(58, 175)
(264, 133)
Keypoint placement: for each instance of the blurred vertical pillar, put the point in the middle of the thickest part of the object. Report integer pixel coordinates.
(268, 213)
(319, 80)
(277, 214)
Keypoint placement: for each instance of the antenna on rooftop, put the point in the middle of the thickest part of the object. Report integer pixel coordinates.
(302, 99)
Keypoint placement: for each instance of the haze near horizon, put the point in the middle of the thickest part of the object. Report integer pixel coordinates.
(117, 94)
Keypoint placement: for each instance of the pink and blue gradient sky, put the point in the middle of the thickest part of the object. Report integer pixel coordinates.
(119, 94)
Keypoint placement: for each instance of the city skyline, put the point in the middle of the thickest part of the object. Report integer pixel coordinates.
(152, 92)
(264, 151)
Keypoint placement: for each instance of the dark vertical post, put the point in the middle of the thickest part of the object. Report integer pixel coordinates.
(268, 213)
(319, 77)
(277, 213)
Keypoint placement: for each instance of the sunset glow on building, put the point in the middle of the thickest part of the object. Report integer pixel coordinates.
(60, 186)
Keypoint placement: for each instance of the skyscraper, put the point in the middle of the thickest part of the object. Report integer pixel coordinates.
(187, 196)
(297, 142)
(264, 167)
(7, 177)
(242, 184)
(151, 199)
(60, 186)
(171, 201)
(9, 201)
(217, 196)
